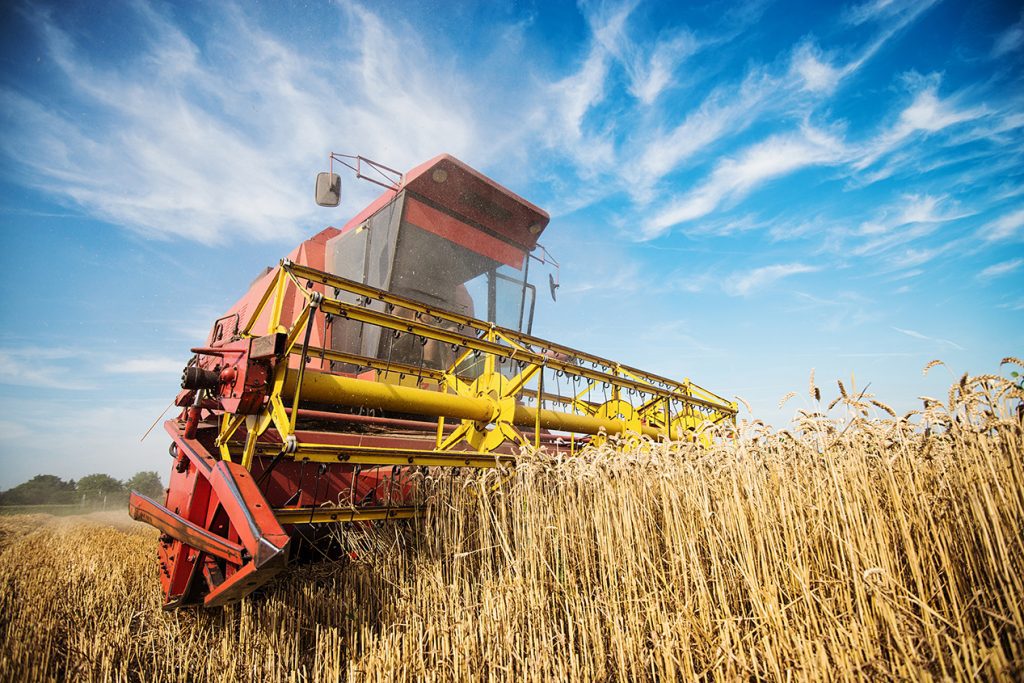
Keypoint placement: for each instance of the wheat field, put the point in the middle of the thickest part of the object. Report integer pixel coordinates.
(854, 545)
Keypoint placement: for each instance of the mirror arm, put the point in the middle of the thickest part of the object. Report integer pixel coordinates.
(355, 162)
(547, 259)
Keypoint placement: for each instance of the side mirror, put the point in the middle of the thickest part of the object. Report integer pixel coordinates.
(553, 286)
(328, 189)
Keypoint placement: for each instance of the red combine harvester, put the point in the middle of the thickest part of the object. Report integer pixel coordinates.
(401, 341)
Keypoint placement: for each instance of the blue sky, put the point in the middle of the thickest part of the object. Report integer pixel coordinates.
(739, 192)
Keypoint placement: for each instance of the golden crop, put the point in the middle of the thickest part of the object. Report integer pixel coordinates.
(847, 549)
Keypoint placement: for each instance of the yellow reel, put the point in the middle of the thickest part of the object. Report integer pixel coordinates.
(623, 412)
(688, 428)
(492, 386)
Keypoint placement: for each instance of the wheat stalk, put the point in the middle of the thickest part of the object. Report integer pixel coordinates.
(891, 551)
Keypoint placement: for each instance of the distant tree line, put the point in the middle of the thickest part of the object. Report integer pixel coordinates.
(92, 489)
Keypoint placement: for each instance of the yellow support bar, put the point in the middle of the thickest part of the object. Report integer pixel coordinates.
(229, 424)
(373, 363)
(326, 515)
(375, 455)
(246, 331)
(274, 325)
(250, 449)
(479, 326)
(493, 349)
(321, 387)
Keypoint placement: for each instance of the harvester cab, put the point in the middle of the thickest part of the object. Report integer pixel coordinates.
(400, 342)
(447, 237)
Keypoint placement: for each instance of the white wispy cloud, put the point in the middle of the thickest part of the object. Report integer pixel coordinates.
(678, 337)
(162, 165)
(921, 209)
(1000, 269)
(986, 148)
(245, 120)
(1016, 305)
(727, 111)
(821, 74)
(579, 91)
(764, 93)
(892, 17)
(917, 335)
(745, 283)
(649, 66)
(906, 275)
(1009, 40)
(927, 113)
(1005, 227)
(863, 12)
(146, 366)
(55, 368)
(612, 278)
(819, 227)
(222, 141)
(776, 156)
(885, 10)
(914, 258)
(814, 69)
(653, 74)
(911, 218)
(845, 310)
(81, 438)
(77, 369)
(725, 226)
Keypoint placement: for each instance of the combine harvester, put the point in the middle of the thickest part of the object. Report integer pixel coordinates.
(401, 341)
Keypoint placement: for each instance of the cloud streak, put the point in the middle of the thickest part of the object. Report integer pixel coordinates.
(217, 140)
(1010, 40)
(732, 179)
(745, 284)
(1006, 227)
(917, 335)
(146, 366)
(926, 114)
(42, 368)
(221, 142)
(1001, 269)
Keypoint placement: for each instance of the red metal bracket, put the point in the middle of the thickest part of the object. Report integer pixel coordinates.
(221, 540)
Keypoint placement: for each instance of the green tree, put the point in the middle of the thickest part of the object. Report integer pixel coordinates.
(96, 488)
(148, 484)
(42, 489)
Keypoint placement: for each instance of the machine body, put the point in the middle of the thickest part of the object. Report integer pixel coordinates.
(401, 341)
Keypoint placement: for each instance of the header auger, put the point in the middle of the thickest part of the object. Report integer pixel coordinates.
(401, 341)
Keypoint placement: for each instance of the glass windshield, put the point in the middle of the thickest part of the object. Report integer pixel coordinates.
(501, 295)
(454, 267)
